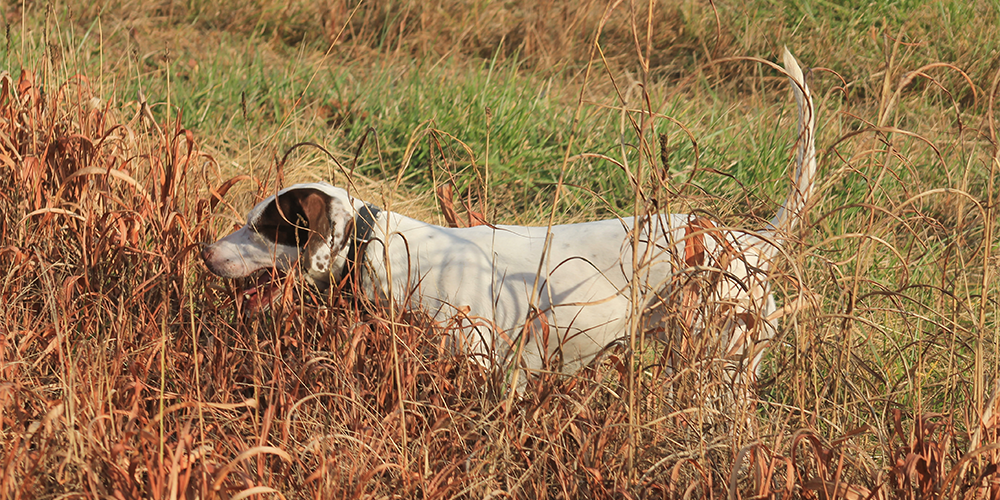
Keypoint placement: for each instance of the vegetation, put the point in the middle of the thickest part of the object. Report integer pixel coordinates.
(131, 132)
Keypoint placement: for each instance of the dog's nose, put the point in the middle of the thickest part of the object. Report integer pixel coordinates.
(209, 255)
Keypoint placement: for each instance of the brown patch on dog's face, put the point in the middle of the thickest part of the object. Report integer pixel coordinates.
(294, 218)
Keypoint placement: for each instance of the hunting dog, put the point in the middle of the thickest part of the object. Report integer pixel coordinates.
(540, 297)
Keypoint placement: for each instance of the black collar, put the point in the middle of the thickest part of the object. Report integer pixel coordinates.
(364, 228)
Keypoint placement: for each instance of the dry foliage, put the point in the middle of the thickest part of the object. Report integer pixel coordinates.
(127, 371)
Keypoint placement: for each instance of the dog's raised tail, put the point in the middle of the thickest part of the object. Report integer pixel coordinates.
(805, 157)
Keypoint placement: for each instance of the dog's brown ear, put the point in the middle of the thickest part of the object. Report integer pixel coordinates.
(316, 252)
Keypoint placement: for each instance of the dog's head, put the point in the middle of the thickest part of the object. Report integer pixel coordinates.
(306, 224)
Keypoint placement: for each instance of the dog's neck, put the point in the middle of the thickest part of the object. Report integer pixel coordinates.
(364, 229)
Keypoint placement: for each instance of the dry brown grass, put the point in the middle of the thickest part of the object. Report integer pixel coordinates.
(127, 371)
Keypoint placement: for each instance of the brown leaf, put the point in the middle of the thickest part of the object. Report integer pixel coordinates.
(446, 201)
(221, 191)
(694, 241)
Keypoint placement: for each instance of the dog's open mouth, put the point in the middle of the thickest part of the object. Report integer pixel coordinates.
(269, 287)
(261, 290)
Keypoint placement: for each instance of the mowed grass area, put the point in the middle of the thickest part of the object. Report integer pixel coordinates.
(129, 371)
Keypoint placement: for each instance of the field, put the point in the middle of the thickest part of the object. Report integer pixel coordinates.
(132, 132)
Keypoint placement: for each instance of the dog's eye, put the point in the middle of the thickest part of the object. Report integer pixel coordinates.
(288, 226)
(301, 230)
(284, 234)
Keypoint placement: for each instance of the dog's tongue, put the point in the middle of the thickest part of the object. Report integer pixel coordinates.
(262, 292)
(256, 299)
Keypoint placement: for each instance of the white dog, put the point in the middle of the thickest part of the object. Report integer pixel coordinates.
(537, 296)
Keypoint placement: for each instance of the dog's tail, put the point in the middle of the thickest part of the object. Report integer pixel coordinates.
(805, 157)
